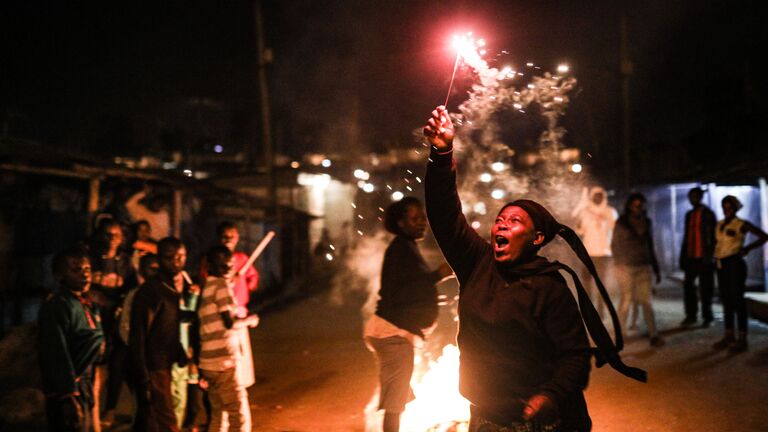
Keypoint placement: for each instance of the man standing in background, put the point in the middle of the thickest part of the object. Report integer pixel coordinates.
(244, 281)
(155, 339)
(696, 259)
(70, 341)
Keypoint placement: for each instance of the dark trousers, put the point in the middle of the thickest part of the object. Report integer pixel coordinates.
(704, 271)
(116, 368)
(155, 414)
(198, 407)
(732, 281)
(57, 421)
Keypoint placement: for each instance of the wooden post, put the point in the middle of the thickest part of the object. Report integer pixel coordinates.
(93, 203)
(176, 222)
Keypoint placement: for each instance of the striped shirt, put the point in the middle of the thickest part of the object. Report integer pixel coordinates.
(219, 346)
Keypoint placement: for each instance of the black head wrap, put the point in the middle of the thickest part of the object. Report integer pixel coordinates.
(541, 217)
(607, 351)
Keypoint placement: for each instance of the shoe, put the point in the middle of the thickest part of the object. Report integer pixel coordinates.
(688, 322)
(739, 345)
(723, 343)
(657, 341)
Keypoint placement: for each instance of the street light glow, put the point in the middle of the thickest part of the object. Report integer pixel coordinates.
(361, 174)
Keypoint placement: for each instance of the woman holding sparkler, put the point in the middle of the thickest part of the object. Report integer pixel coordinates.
(525, 357)
(407, 307)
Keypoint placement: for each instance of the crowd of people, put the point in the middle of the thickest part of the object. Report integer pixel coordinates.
(127, 312)
(622, 247)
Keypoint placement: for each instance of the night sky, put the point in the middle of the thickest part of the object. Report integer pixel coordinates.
(123, 78)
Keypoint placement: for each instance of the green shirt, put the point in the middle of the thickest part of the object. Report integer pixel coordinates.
(69, 341)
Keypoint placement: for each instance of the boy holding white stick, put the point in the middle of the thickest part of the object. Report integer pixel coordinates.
(222, 351)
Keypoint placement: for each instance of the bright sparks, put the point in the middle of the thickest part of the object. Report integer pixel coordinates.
(467, 49)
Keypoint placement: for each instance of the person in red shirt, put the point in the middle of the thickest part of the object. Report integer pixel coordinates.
(244, 284)
(696, 259)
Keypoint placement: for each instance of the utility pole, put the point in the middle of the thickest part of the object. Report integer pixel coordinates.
(265, 58)
(625, 70)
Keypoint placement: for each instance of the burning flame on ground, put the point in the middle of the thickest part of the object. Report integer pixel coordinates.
(438, 406)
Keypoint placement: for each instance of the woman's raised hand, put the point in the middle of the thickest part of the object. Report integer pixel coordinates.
(439, 129)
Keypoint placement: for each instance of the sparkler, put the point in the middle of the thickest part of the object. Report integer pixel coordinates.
(466, 47)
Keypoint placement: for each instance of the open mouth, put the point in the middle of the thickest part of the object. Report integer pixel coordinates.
(500, 242)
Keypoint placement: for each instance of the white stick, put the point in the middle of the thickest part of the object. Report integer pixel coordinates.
(256, 252)
(186, 277)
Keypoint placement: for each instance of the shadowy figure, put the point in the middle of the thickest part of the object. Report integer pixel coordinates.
(595, 222)
(635, 257)
(407, 308)
(113, 277)
(153, 208)
(730, 234)
(155, 339)
(70, 341)
(696, 259)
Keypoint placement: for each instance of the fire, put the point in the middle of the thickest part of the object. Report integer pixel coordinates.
(438, 406)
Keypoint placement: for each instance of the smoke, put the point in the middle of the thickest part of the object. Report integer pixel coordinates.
(508, 146)
(509, 142)
(361, 273)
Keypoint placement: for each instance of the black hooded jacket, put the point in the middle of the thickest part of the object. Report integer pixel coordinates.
(520, 332)
(408, 296)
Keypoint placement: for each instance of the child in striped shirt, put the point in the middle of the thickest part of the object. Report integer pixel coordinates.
(221, 349)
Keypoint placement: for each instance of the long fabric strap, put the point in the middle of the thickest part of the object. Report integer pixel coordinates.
(574, 241)
(607, 351)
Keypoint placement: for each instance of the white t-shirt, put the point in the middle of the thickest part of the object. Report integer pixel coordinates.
(730, 238)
